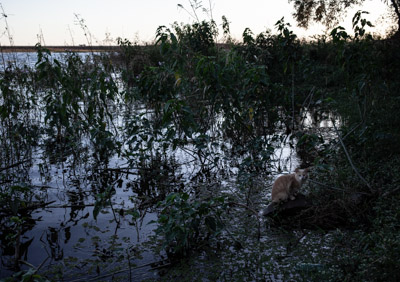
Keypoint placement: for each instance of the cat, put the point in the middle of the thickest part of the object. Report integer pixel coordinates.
(286, 186)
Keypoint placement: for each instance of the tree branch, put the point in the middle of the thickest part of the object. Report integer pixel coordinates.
(397, 11)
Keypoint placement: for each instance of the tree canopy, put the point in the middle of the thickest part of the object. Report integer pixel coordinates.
(328, 12)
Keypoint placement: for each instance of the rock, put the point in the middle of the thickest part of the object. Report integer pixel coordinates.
(287, 208)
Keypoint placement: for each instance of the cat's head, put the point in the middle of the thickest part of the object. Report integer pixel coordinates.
(301, 174)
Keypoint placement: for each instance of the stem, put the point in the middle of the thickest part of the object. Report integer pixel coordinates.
(349, 158)
(211, 14)
(17, 248)
(293, 114)
(10, 37)
(244, 206)
(253, 211)
(112, 209)
(129, 264)
(194, 7)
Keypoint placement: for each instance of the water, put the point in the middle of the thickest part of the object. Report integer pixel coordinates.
(69, 235)
(29, 59)
(66, 229)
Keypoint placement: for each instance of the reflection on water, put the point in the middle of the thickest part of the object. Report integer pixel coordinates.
(29, 59)
(91, 212)
(62, 229)
(66, 229)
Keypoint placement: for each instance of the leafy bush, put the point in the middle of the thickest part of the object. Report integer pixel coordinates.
(185, 224)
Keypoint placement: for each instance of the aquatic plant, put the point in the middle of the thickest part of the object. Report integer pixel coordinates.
(185, 224)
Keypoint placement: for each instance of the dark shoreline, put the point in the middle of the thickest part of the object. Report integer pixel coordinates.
(11, 49)
(63, 49)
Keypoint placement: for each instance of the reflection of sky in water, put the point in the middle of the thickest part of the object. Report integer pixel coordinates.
(57, 236)
(66, 227)
(59, 230)
(20, 59)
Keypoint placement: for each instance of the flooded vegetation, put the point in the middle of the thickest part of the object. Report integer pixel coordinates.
(152, 163)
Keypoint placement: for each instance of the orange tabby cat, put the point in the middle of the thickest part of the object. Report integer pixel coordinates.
(286, 186)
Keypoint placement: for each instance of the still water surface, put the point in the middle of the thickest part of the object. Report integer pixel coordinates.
(65, 235)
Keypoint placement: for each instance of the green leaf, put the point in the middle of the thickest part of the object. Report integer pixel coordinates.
(211, 223)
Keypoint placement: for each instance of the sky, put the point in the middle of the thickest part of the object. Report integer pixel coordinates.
(56, 22)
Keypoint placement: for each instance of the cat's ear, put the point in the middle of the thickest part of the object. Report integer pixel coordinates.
(306, 170)
(296, 170)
